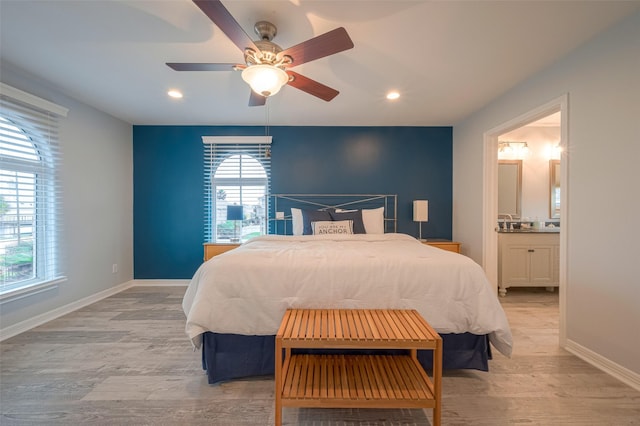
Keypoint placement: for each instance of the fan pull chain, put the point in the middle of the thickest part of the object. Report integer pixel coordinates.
(266, 126)
(266, 130)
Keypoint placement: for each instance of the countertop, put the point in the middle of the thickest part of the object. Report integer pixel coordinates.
(555, 230)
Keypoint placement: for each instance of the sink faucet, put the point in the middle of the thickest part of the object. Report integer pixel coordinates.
(510, 221)
(503, 217)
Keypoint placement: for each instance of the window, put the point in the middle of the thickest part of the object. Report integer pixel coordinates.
(237, 171)
(29, 194)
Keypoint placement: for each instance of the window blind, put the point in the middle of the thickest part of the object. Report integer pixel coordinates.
(30, 195)
(237, 171)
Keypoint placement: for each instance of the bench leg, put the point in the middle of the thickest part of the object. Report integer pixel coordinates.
(437, 382)
(278, 374)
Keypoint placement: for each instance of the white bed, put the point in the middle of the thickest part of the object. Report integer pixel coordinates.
(247, 290)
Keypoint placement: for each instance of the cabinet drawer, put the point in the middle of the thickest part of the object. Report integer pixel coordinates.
(445, 245)
(214, 249)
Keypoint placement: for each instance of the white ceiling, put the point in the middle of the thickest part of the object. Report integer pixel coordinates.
(447, 58)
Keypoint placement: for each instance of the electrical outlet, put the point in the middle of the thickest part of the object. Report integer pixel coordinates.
(114, 268)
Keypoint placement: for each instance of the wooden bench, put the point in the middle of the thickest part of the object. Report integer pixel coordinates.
(356, 381)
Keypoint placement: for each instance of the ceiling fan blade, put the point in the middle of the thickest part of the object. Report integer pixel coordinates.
(220, 16)
(312, 87)
(256, 100)
(318, 47)
(201, 67)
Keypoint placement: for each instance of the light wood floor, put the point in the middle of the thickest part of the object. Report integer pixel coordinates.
(126, 361)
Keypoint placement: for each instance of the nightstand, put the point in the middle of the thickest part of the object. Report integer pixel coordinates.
(444, 244)
(214, 249)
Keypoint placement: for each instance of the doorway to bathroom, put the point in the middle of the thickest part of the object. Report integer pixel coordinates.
(533, 149)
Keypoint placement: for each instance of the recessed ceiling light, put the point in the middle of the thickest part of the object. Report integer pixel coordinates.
(393, 95)
(175, 94)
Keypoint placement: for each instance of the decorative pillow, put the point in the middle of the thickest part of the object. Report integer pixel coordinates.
(309, 216)
(373, 220)
(354, 215)
(296, 221)
(343, 227)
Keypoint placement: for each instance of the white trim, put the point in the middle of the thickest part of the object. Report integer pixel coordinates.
(160, 283)
(565, 226)
(38, 320)
(236, 139)
(29, 290)
(621, 373)
(21, 327)
(490, 208)
(490, 204)
(32, 100)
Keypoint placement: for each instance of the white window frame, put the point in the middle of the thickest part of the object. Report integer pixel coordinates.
(37, 119)
(219, 149)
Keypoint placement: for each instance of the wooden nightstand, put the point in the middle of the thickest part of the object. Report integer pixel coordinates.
(444, 244)
(214, 249)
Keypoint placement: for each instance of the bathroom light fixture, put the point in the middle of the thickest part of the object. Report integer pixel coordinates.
(420, 214)
(553, 150)
(504, 148)
(265, 80)
(512, 150)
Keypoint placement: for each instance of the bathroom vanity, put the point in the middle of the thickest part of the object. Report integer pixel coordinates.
(528, 258)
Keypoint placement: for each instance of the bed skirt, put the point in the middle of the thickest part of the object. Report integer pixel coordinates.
(232, 356)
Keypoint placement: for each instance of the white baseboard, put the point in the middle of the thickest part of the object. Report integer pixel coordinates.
(21, 327)
(161, 283)
(38, 320)
(619, 372)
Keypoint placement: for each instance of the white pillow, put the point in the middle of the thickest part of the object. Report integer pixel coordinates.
(296, 221)
(332, 227)
(373, 220)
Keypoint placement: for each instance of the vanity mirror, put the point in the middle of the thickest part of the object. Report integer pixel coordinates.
(554, 189)
(510, 187)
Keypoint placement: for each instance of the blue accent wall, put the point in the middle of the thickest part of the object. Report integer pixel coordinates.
(168, 167)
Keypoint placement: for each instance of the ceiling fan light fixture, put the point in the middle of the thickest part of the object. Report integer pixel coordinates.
(266, 80)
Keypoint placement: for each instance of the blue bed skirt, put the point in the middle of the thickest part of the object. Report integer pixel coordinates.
(232, 356)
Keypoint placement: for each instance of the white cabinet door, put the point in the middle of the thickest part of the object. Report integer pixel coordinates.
(515, 265)
(541, 266)
(528, 261)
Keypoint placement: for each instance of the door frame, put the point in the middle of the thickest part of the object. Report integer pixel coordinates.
(490, 195)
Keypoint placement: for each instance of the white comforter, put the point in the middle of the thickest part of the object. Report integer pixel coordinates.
(247, 290)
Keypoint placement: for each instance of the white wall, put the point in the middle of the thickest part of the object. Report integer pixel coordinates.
(97, 180)
(602, 79)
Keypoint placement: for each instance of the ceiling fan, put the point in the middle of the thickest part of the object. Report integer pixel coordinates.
(267, 65)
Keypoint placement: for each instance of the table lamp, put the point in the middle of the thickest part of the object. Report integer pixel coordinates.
(234, 213)
(420, 213)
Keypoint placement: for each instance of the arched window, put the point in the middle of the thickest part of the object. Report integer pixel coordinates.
(29, 198)
(237, 183)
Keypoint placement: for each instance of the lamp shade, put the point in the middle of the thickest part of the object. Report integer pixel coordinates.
(420, 210)
(234, 212)
(266, 80)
